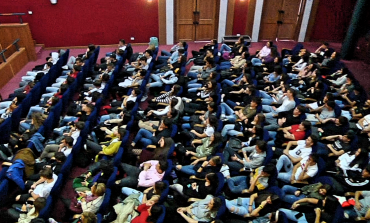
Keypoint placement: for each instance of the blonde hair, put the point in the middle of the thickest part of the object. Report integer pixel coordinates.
(99, 189)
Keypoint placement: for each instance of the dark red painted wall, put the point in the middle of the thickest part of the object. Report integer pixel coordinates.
(332, 20)
(240, 17)
(80, 22)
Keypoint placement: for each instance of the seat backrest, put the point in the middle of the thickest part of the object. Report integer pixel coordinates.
(337, 111)
(106, 200)
(5, 129)
(4, 188)
(222, 209)
(164, 194)
(16, 117)
(269, 155)
(168, 171)
(163, 215)
(221, 182)
(112, 178)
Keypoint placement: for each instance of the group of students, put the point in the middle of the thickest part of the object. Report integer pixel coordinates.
(261, 137)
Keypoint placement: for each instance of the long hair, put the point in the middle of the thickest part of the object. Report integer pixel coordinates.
(360, 159)
(168, 142)
(155, 211)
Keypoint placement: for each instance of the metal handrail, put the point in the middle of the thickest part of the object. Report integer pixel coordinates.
(15, 14)
(15, 43)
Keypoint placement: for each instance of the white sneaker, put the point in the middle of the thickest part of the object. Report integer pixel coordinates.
(219, 54)
(65, 67)
(222, 116)
(144, 98)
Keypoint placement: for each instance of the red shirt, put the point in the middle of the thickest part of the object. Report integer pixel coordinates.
(299, 135)
(74, 75)
(143, 209)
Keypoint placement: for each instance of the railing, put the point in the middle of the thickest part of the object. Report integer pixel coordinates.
(2, 53)
(15, 14)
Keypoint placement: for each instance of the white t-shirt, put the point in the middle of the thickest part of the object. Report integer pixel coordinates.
(300, 151)
(209, 130)
(43, 190)
(66, 151)
(311, 170)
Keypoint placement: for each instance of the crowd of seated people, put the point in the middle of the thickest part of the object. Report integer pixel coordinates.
(241, 136)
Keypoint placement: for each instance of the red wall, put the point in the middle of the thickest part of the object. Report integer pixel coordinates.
(332, 20)
(240, 17)
(80, 22)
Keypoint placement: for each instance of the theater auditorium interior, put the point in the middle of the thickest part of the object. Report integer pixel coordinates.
(209, 111)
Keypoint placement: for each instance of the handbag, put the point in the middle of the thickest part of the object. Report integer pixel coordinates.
(235, 144)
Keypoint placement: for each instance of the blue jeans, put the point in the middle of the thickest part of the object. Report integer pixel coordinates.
(227, 82)
(237, 184)
(34, 109)
(285, 61)
(256, 62)
(188, 169)
(185, 126)
(193, 75)
(225, 65)
(291, 215)
(165, 53)
(231, 103)
(144, 136)
(288, 194)
(229, 130)
(157, 81)
(128, 191)
(266, 99)
(225, 47)
(5, 104)
(52, 89)
(228, 112)
(288, 167)
(272, 135)
(351, 213)
(239, 210)
(67, 119)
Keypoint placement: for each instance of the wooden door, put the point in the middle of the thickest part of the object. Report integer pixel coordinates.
(185, 28)
(205, 30)
(280, 19)
(196, 19)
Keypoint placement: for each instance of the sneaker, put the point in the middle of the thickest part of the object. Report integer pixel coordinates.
(65, 67)
(219, 54)
(222, 116)
(184, 99)
(144, 98)
(189, 61)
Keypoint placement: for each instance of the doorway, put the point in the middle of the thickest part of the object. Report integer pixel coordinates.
(196, 20)
(280, 19)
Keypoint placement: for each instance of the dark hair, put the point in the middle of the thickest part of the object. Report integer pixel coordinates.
(121, 132)
(307, 125)
(314, 139)
(269, 169)
(70, 80)
(216, 141)
(39, 204)
(162, 152)
(59, 156)
(331, 204)
(351, 135)
(301, 109)
(181, 50)
(174, 113)
(213, 179)
(217, 203)
(257, 100)
(261, 119)
(68, 140)
(292, 91)
(217, 160)
(106, 167)
(213, 121)
(156, 212)
(343, 120)
(159, 187)
(176, 89)
(137, 92)
(259, 131)
(360, 159)
(90, 106)
(163, 164)
(214, 85)
(130, 104)
(314, 157)
(330, 96)
(149, 52)
(274, 52)
(167, 122)
(174, 102)
(49, 64)
(214, 97)
(122, 41)
(213, 105)
(331, 104)
(143, 59)
(261, 145)
(47, 173)
(211, 61)
(77, 67)
(91, 47)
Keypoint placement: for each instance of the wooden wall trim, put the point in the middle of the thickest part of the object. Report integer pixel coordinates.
(162, 21)
(12, 66)
(230, 17)
(311, 22)
(250, 17)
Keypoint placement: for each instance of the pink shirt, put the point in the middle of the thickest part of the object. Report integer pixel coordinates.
(149, 177)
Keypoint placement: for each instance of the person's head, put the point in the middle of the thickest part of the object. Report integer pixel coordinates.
(278, 70)
(154, 212)
(88, 217)
(88, 108)
(91, 47)
(175, 89)
(212, 179)
(323, 189)
(213, 97)
(313, 159)
(68, 141)
(181, 59)
(46, 173)
(210, 62)
(330, 105)
(98, 189)
(349, 80)
(49, 65)
(161, 166)
(215, 161)
(106, 167)
(272, 198)
(330, 204)
(291, 92)
(251, 89)
(166, 123)
(300, 109)
(212, 121)
(214, 204)
(37, 119)
(130, 104)
(274, 53)
(259, 119)
(211, 85)
(77, 68)
(172, 113)
(39, 204)
(142, 73)
(143, 60)
(60, 157)
(121, 42)
(311, 140)
(79, 61)
(366, 172)
(268, 170)
(174, 102)
(216, 139)
(269, 44)
(261, 146)
(209, 53)
(159, 187)
(328, 97)
(341, 120)
(255, 102)
(276, 217)
(148, 53)
(181, 51)
(349, 136)
(121, 133)
(212, 107)
(305, 126)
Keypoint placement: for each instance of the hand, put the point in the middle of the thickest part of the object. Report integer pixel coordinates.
(33, 186)
(149, 113)
(297, 193)
(148, 189)
(24, 207)
(194, 162)
(263, 203)
(193, 131)
(82, 194)
(30, 191)
(83, 199)
(234, 157)
(85, 183)
(358, 206)
(250, 209)
(205, 163)
(147, 166)
(149, 203)
(103, 128)
(294, 205)
(317, 210)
